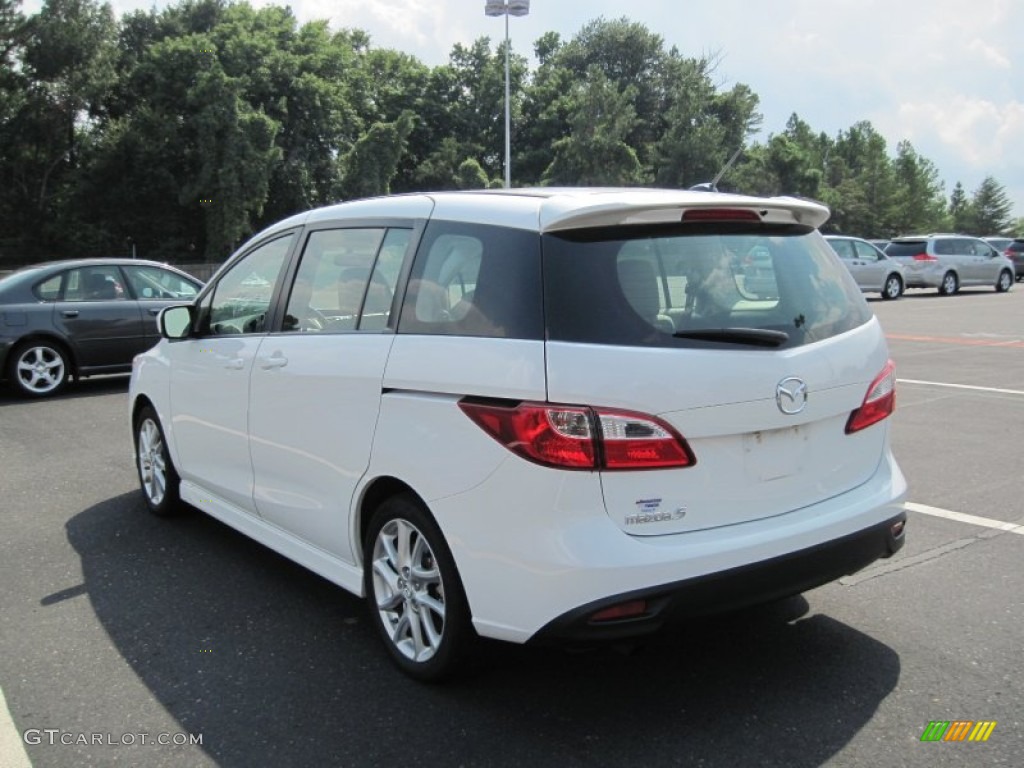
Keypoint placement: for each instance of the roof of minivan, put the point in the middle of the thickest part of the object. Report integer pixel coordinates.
(549, 209)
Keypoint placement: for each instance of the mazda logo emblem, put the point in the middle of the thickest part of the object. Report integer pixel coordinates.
(791, 395)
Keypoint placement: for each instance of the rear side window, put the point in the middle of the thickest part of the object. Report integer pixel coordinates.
(49, 289)
(777, 288)
(475, 280)
(95, 283)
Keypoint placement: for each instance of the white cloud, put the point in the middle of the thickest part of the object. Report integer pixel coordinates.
(989, 53)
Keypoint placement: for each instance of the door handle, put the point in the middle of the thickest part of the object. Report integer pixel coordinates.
(69, 313)
(154, 310)
(277, 360)
(235, 364)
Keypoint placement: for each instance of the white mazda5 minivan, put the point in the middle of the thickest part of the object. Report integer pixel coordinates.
(551, 415)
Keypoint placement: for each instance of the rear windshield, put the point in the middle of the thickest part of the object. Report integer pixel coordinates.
(776, 288)
(910, 248)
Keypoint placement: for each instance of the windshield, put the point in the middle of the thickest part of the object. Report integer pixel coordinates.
(773, 288)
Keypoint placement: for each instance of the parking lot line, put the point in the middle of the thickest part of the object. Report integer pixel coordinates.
(960, 517)
(12, 751)
(962, 386)
(970, 342)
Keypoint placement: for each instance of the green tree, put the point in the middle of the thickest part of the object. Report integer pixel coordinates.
(859, 161)
(960, 213)
(368, 168)
(471, 175)
(596, 153)
(992, 208)
(919, 205)
(66, 71)
(703, 128)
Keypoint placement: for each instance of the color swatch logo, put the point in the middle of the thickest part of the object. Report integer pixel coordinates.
(958, 730)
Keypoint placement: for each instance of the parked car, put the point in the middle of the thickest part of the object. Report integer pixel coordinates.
(545, 415)
(999, 243)
(948, 262)
(82, 317)
(871, 268)
(1015, 253)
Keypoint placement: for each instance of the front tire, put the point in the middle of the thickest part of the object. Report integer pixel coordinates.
(950, 284)
(893, 288)
(39, 368)
(157, 476)
(415, 597)
(1004, 282)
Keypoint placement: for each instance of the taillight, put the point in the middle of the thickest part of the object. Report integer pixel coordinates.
(632, 441)
(925, 257)
(879, 402)
(579, 437)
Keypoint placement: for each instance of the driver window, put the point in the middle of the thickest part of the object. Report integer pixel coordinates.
(242, 296)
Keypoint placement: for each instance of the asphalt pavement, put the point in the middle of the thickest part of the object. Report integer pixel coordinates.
(128, 640)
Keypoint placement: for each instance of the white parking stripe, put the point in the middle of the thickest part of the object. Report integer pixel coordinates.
(960, 517)
(12, 751)
(962, 386)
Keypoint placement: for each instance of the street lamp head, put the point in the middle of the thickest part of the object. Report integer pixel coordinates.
(512, 7)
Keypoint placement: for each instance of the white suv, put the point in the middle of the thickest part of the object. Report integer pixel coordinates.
(533, 415)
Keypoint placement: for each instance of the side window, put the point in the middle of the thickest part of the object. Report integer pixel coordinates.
(865, 252)
(99, 283)
(944, 247)
(149, 282)
(241, 298)
(346, 280)
(475, 280)
(49, 289)
(843, 247)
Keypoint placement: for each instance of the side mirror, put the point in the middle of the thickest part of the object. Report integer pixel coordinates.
(175, 322)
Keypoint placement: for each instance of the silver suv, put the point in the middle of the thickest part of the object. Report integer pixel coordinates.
(949, 262)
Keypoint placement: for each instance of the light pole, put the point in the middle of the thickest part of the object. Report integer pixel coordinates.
(502, 8)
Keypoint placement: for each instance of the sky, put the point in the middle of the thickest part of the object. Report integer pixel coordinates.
(946, 75)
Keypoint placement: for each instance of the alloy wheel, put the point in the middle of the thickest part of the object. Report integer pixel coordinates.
(152, 466)
(40, 369)
(408, 590)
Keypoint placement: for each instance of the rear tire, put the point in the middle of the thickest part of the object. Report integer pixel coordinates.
(157, 477)
(414, 593)
(1005, 281)
(39, 368)
(893, 288)
(950, 284)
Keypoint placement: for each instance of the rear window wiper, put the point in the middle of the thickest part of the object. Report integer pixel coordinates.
(758, 337)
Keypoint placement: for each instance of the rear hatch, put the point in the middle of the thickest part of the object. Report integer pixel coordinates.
(912, 253)
(759, 377)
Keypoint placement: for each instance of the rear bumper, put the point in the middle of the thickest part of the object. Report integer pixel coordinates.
(736, 588)
(930, 278)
